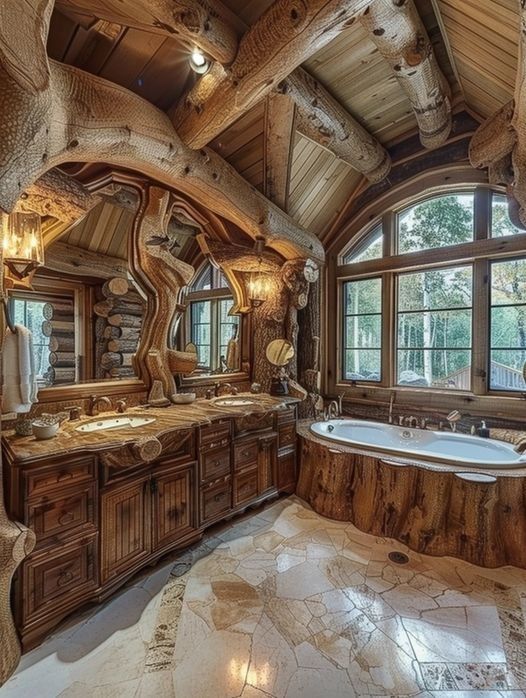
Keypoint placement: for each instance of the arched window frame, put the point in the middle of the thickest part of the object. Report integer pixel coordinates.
(480, 253)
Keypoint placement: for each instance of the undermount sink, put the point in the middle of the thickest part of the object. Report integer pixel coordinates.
(233, 401)
(105, 423)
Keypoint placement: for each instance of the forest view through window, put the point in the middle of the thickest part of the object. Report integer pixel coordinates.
(433, 308)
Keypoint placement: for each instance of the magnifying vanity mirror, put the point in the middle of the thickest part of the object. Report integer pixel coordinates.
(279, 353)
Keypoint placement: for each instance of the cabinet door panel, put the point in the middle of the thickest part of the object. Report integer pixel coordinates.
(267, 463)
(125, 530)
(174, 511)
(287, 472)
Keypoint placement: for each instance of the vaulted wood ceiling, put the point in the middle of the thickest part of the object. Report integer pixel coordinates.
(475, 44)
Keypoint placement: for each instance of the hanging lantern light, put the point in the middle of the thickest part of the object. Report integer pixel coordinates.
(258, 288)
(23, 248)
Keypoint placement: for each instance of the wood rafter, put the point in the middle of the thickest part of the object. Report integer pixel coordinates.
(399, 34)
(500, 142)
(55, 114)
(283, 37)
(203, 23)
(280, 126)
(323, 119)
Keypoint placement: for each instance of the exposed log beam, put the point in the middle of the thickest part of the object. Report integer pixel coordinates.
(325, 121)
(59, 195)
(55, 114)
(288, 33)
(399, 34)
(69, 259)
(203, 23)
(280, 128)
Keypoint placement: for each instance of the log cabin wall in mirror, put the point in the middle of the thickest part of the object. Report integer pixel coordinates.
(84, 310)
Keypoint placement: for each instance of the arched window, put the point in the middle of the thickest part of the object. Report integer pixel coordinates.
(433, 296)
(210, 326)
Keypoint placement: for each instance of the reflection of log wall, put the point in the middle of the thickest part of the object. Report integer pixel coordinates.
(432, 512)
(120, 312)
(59, 326)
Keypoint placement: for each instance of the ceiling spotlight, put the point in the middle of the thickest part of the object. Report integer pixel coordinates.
(199, 62)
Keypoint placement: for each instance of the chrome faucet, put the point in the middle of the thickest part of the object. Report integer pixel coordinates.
(332, 411)
(218, 386)
(93, 406)
(391, 403)
(453, 418)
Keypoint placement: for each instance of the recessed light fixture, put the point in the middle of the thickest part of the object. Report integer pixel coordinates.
(199, 62)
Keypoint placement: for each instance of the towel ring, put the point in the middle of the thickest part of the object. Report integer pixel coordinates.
(7, 314)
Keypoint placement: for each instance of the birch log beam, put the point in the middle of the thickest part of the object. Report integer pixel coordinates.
(397, 31)
(323, 119)
(288, 33)
(70, 259)
(203, 23)
(280, 129)
(53, 113)
(59, 195)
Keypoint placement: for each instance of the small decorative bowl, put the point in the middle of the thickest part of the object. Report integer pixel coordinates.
(43, 430)
(183, 398)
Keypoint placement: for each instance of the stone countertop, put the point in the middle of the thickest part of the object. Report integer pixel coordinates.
(167, 419)
(409, 460)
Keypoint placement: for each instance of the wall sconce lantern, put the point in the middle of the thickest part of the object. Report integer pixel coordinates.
(258, 288)
(23, 248)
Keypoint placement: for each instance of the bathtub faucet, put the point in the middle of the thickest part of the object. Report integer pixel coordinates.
(332, 411)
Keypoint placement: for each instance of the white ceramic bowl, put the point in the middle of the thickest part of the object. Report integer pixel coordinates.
(183, 398)
(42, 430)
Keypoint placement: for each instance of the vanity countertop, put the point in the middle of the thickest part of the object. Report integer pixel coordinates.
(167, 419)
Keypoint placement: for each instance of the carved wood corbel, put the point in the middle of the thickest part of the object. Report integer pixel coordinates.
(55, 114)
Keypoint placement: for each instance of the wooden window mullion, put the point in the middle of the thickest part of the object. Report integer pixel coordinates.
(481, 330)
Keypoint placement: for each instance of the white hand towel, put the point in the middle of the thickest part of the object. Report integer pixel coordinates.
(19, 378)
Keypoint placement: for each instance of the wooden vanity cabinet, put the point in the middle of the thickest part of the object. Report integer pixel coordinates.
(97, 522)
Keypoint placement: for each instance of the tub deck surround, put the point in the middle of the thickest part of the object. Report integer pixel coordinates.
(430, 507)
(103, 504)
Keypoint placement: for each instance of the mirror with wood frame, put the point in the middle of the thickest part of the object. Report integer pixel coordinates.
(84, 311)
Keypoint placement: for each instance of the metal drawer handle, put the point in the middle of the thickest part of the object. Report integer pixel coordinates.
(245, 453)
(219, 497)
(64, 475)
(66, 518)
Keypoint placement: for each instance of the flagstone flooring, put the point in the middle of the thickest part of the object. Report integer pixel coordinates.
(286, 604)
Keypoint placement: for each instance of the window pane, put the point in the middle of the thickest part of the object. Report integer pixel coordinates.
(435, 289)
(508, 282)
(434, 328)
(29, 313)
(362, 364)
(501, 224)
(363, 297)
(440, 368)
(370, 248)
(508, 325)
(363, 331)
(506, 369)
(438, 222)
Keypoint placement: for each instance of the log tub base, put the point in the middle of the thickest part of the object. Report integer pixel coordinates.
(431, 511)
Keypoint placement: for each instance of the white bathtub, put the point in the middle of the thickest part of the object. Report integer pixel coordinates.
(441, 446)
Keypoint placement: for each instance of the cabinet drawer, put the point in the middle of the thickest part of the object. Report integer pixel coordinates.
(245, 453)
(216, 501)
(286, 415)
(214, 464)
(211, 435)
(287, 435)
(68, 473)
(55, 578)
(58, 513)
(245, 487)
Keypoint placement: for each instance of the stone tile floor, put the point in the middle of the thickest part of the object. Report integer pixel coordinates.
(285, 603)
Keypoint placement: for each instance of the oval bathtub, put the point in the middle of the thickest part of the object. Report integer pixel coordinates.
(437, 446)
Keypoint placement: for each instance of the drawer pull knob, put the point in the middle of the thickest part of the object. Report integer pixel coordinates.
(66, 518)
(64, 475)
(64, 578)
(218, 497)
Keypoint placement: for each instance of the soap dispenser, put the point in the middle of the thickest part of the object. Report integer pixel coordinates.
(483, 430)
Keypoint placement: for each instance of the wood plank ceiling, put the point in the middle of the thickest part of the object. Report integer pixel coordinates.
(475, 42)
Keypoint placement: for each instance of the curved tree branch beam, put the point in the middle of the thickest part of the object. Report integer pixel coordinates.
(494, 139)
(397, 31)
(325, 121)
(83, 118)
(281, 39)
(203, 23)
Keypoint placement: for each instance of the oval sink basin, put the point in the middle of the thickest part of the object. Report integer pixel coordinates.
(234, 401)
(114, 423)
